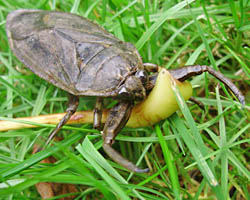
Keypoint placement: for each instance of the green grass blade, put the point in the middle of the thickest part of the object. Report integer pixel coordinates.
(85, 150)
(194, 143)
(223, 142)
(38, 157)
(167, 14)
(170, 163)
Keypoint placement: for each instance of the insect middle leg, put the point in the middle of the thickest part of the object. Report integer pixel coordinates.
(98, 113)
(116, 120)
(73, 104)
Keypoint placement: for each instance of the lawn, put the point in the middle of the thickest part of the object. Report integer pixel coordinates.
(194, 154)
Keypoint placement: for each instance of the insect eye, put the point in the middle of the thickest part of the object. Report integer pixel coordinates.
(143, 76)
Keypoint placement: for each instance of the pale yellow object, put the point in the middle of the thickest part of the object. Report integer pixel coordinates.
(160, 103)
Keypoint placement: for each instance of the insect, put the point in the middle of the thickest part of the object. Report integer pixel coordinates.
(83, 59)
